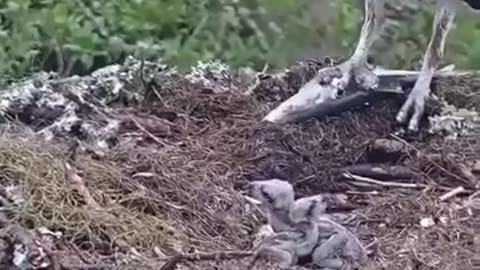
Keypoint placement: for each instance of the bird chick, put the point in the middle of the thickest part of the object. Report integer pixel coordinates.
(291, 240)
(308, 208)
(287, 246)
(275, 197)
(301, 228)
(280, 249)
(336, 246)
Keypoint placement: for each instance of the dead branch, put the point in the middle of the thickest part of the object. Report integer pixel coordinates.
(464, 171)
(354, 102)
(144, 130)
(392, 84)
(452, 193)
(221, 255)
(383, 172)
(465, 174)
(433, 159)
(372, 182)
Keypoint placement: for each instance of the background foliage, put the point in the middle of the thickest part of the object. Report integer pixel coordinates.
(77, 36)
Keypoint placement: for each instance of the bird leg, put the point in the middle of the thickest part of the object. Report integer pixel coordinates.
(305, 244)
(331, 82)
(443, 21)
(325, 256)
(348, 247)
(371, 27)
(280, 248)
(283, 256)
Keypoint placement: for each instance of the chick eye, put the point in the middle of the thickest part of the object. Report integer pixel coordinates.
(267, 196)
(311, 208)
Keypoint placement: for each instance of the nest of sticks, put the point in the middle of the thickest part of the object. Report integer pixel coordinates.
(176, 187)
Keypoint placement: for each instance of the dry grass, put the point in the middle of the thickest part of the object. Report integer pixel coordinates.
(51, 201)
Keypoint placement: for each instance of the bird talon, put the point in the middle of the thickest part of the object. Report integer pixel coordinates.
(416, 103)
(413, 125)
(403, 112)
(366, 78)
(400, 117)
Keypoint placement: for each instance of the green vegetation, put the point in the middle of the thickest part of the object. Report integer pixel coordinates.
(79, 35)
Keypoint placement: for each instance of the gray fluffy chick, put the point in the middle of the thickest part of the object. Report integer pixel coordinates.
(276, 197)
(337, 247)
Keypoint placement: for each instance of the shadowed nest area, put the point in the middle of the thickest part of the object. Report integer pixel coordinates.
(137, 166)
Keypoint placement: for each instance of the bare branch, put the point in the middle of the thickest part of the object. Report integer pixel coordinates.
(383, 172)
(452, 193)
(374, 182)
(314, 100)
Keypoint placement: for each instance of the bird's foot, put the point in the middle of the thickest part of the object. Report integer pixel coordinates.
(443, 21)
(329, 247)
(416, 101)
(330, 264)
(364, 75)
(277, 250)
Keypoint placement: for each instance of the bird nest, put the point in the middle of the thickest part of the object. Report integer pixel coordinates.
(160, 160)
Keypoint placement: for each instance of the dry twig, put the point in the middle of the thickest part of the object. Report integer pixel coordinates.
(452, 193)
(148, 133)
(383, 172)
(220, 255)
(429, 158)
(373, 182)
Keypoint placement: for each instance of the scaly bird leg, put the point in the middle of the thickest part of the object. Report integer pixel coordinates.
(331, 82)
(371, 28)
(325, 255)
(442, 24)
(279, 248)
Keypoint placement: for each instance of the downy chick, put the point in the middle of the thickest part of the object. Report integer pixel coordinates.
(337, 247)
(276, 197)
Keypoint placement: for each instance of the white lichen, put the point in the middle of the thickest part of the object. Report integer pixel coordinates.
(212, 74)
(454, 123)
(76, 105)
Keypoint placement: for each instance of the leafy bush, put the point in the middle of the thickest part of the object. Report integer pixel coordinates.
(80, 35)
(76, 36)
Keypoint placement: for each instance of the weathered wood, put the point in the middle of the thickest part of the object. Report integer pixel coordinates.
(384, 172)
(369, 183)
(392, 84)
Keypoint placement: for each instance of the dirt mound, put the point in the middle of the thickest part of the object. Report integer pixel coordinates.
(162, 158)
